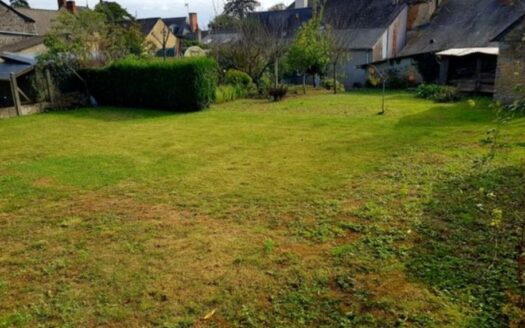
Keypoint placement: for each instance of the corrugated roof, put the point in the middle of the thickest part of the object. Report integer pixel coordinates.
(460, 52)
(7, 68)
(14, 64)
(464, 24)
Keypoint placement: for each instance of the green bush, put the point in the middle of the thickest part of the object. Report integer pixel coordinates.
(242, 82)
(438, 93)
(225, 93)
(328, 84)
(237, 78)
(179, 85)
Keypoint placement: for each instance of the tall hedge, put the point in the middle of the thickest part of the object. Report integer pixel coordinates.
(176, 84)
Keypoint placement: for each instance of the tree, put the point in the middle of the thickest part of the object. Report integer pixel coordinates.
(113, 11)
(277, 7)
(255, 48)
(240, 8)
(87, 40)
(19, 3)
(223, 22)
(310, 51)
(378, 76)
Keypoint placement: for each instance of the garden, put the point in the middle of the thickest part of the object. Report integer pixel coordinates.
(313, 211)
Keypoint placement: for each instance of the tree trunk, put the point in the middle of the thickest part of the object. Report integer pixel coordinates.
(304, 83)
(335, 78)
(276, 71)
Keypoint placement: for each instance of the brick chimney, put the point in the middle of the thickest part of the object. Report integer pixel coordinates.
(194, 23)
(71, 6)
(61, 4)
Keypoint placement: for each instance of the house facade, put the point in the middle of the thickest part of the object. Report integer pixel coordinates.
(14, 26)
(510, 75)
(159, 36)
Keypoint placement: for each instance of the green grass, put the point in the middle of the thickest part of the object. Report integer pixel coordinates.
(314, 211)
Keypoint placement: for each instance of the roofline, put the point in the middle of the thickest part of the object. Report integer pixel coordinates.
(280, 11)
(508, 29)
(27, 18)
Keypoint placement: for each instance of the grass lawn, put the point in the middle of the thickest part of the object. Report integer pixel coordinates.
(313, 212)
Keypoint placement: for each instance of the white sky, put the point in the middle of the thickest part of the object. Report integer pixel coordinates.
(163, 8)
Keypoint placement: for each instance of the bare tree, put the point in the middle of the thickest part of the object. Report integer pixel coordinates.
(254, 49)
(163, 39)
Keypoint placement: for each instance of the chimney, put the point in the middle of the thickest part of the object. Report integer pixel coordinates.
(301, 4)
(61, 4)
(194, 23)
(71, 6)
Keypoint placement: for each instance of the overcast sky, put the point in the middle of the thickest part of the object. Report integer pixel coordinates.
(163, 8)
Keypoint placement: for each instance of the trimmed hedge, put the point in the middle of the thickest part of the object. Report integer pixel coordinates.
(177, 84)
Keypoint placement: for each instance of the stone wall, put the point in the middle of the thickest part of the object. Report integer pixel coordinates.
(510, 75)
(7, 112)
(12, 23)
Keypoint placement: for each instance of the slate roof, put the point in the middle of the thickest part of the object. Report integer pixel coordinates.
(178, 25)
(17, 11)
(43, 18)
(359, 39)
(220, 38)
(362, 14)
(464, 24)
(23, 44)
(145, 24)
(286, 22)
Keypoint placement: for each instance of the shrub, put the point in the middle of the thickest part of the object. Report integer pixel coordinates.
(278, 93)
(439, 93)
(180, 85)
(225, 93)
(328, 84)
(238, 78)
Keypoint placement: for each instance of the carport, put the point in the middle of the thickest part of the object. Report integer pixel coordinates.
(12, 68)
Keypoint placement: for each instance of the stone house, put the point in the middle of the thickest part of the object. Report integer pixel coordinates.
(510, 75)
(14, 25)
(455, 44)
(369, 30)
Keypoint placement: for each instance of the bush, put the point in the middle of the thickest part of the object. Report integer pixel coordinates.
(278, 93)
(179, 85)
(242, 82)
(225, 93)
(439, 93)
(237, 78)
(328, 84)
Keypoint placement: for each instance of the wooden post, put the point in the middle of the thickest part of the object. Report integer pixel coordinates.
(443, 71)
(14, 93)
(477, 86)
(49, 87)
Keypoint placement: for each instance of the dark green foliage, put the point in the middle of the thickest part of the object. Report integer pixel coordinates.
(438, 93)
(278, 93)
(178, 85)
